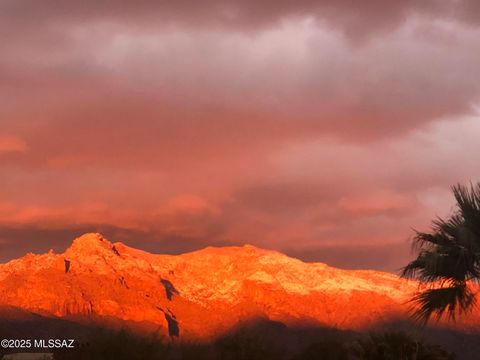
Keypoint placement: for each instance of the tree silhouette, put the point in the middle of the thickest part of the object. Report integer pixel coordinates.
(448, 259)
(397, 346)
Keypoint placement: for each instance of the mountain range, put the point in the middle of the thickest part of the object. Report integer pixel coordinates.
(201, 295)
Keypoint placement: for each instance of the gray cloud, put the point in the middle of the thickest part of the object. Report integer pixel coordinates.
(325, 124)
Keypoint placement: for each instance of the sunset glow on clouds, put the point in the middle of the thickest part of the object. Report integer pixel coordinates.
(327, 130)
(9, 144)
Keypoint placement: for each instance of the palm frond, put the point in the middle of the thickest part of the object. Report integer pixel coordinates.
(448, 227)
(423, 240)
(452, 300)
(468, 203)
(454, 263)
(448, 257)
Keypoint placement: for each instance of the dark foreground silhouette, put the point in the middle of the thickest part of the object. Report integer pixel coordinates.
(259, 339)
(250, 344)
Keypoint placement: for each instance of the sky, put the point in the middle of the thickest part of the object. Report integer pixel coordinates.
(327, 130)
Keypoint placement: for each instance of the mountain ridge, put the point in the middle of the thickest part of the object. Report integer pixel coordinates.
(201, 294)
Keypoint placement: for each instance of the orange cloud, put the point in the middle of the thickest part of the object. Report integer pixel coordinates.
(190, 204)
(377, 203)
(56, 216)
(181, 215)
(12, 144)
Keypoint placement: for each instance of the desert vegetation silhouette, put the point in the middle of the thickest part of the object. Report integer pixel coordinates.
(397, 346)
(448, 259)
(245, 345)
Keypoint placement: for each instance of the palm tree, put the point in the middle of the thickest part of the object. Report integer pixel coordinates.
(448, 259)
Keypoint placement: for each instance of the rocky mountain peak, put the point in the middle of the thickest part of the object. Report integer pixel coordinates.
(89, 243)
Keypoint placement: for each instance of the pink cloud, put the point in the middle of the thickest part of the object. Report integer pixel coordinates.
(313, 125)
(378, 203)
(12, 144)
